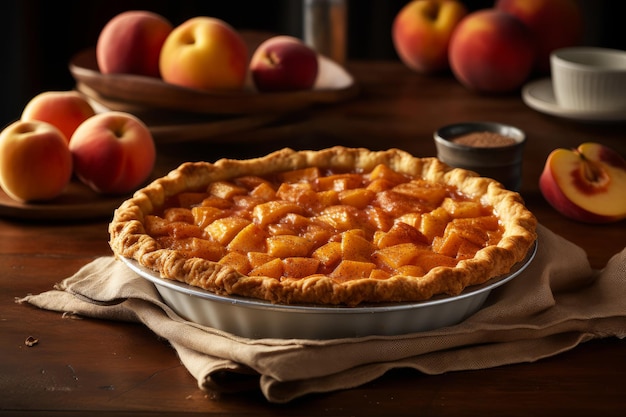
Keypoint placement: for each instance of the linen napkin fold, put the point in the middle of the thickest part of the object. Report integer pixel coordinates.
(552, 306)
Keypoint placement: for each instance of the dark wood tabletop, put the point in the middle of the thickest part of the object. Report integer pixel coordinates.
(96, 367)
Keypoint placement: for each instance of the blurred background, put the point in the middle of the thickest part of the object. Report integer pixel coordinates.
(39, 37)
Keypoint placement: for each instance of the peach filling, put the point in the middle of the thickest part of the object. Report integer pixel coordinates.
(345, 225)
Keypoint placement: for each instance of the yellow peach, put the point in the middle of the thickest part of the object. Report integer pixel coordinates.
(64, 109)
(204, 53)
(421, 33)
(35, 161)
(130, 43)
(113, 152)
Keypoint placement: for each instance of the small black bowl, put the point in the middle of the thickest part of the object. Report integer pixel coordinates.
(499, 160)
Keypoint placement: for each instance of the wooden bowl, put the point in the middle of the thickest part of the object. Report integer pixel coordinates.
(123, 91)
(177, 114)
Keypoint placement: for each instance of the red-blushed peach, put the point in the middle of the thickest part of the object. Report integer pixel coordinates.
(587, 184)
(421, 33)
(491, 52)
(205, 53)
(553, 24)
(113, 152)
(64, 109)
(284, 63)
(130, 43)
(35, 161)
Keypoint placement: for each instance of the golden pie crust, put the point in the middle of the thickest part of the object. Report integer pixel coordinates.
(510, 233)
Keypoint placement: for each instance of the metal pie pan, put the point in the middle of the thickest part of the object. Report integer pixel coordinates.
(257, 319)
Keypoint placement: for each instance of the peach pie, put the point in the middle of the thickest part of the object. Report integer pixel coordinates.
(339, 226)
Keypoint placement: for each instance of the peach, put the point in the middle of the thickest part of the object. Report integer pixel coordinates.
(491, 51)
(113, 152)
(64, 109)
(205, 53)
(35, 161)
(283, 63)
(553, 24)
(587, 184)
(422, 30)
(130, 43)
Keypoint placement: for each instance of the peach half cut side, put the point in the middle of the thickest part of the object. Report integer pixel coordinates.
(587, 183)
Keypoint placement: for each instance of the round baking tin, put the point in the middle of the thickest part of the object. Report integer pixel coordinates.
(257, 319)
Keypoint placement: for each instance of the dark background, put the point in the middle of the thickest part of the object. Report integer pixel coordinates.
(39, 37)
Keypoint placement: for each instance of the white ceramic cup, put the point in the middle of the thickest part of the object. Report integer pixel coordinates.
(589, 78)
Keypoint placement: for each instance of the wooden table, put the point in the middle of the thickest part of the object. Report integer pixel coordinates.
(92, 367)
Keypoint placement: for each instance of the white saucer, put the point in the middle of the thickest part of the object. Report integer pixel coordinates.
(540, 96)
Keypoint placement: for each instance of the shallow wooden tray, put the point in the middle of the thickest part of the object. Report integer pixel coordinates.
(334, 84)
(78, 202)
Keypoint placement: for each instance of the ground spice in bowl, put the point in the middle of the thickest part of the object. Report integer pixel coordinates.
(484, 140)
(493, 150)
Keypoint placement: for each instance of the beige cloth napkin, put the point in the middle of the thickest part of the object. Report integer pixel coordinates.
(555, 304)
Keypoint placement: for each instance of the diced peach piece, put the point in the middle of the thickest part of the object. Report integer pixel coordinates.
(471, 230)
(448, 244)
(430, 260)
(237, 261)
(272, 269)
(305, 174)
(299, 192)
(223, 230)
(380, 184)
(217, 202)
(317, 235)
(203, 216)
(226, 189)
(412, 219)
(467, 250)
(385, 173)
(483, 222)
(340, 217)
(358, 197)
(398, 255)
(379, 274)
(378, 218)
(277, 229)
(205, 249)
(250, 239)
(296, 221)
(284, 246)
(411, 271)
(461, 209)
(259, 258)
(427, 192)
(397, 204)
(246, 202)
(328, 198)
(348, 270)
(272, 211)
(178, 214)
(264, 191)
(400, 233)
(328, 254)
(182, 230)
(379, 235)
(355, 247)
(339, 182)
(299, 267)
(434, 223)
